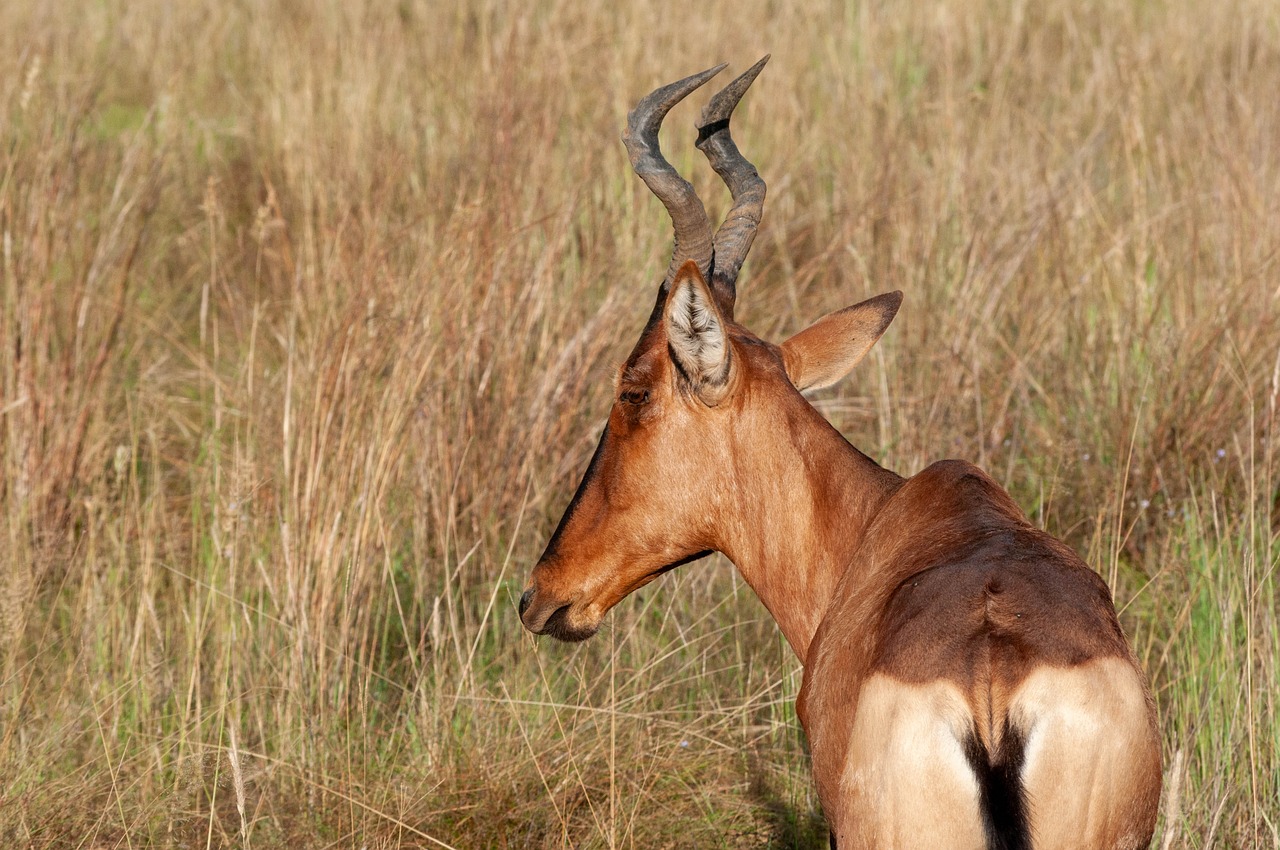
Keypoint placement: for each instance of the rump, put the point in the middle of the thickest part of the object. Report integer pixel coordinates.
(1091, 769)
(908, 782)
(1076, 765)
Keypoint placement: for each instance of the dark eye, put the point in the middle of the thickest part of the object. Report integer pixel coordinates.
(635, 396)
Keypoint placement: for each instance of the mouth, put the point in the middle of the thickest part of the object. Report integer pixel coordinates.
(556, 624)
(558, 627)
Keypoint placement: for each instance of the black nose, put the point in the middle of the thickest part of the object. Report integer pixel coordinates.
(524, 601)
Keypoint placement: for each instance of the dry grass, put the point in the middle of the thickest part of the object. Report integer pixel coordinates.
(308, 312)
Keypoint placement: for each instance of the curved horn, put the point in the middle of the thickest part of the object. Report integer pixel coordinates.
(692, 227)
(733, 239)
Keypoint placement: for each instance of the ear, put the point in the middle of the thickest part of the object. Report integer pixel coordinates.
(827, 350)
(696, 335)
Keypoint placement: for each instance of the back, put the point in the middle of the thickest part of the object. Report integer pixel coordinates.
(1012, 601)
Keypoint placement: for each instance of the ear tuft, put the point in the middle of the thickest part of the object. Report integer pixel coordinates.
(696, 335)
(827, 350)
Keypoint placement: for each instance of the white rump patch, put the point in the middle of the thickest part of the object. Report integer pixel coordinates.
(1091, 755)
(907, 781)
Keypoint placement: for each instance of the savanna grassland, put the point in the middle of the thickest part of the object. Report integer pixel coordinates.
(309, 319)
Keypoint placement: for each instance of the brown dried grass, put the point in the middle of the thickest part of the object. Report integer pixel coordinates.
(308, 315)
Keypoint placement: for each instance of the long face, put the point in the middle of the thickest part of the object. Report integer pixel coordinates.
(641, 507)
(649, 500)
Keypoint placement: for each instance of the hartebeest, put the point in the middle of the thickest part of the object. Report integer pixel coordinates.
(966, 681)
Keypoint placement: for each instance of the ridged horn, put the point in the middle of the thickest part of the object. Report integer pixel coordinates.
(733, 239)
(693, 239)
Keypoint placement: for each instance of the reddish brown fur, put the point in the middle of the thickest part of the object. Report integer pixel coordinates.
(966, 682)
(936, 578)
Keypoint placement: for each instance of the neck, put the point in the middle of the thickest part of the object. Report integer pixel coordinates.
(798, 517)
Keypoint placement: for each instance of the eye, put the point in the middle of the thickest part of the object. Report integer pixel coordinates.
(634, 397)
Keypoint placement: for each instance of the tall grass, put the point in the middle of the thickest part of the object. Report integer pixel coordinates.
(309, 312)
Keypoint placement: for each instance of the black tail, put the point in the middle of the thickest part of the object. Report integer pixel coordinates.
(1000, 792)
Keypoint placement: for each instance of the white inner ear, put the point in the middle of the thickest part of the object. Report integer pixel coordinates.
(696, 334)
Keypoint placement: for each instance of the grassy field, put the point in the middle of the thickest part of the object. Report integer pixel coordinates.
(308, 317)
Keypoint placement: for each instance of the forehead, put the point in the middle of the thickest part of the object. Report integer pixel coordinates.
(646, 360)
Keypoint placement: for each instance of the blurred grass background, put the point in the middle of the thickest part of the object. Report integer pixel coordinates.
(309, 312)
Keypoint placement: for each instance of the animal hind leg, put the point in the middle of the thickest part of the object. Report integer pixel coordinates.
(907, 783)
(1092, 757)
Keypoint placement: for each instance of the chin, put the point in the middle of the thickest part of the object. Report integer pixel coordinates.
(561, 629)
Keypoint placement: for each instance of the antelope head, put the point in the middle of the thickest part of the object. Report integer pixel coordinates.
(702, 406)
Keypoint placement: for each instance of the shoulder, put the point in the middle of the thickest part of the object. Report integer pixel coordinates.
(954, 474)
(953, 491)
